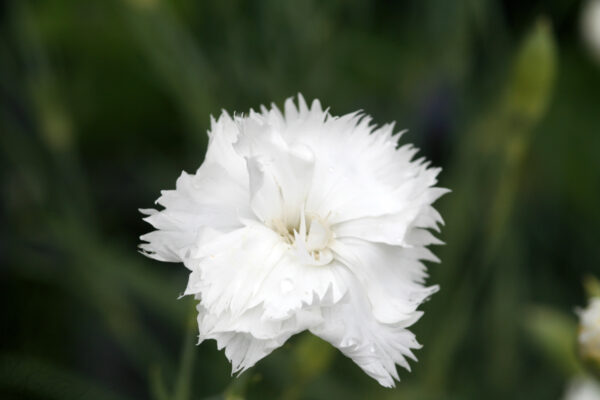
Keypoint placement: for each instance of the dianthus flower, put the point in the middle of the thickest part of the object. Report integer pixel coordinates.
(303, 221)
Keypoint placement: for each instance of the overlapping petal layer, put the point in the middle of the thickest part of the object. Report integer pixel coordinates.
(303, 221)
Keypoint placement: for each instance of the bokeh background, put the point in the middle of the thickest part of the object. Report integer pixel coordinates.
(104, 102)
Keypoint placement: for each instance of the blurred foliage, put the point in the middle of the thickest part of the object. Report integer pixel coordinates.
(592, 286)
(104, 102)
(554, 333)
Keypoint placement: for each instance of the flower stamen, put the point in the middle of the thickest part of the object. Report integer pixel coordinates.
(311, 237)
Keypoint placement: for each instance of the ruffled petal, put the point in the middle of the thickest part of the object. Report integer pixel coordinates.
(253, 267)
(280, 174)
(374, 346)
(242, 348)
(393, 229)
(209, 199)
(391, 276)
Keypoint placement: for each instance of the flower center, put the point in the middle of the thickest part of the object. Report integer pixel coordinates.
(310, 237)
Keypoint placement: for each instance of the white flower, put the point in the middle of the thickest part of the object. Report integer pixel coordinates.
(582, 388)
(589, 330)
(590, 24)
(303, 221)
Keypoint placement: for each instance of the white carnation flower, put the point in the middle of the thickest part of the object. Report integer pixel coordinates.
(589, 330)
(303, 221)
(591, 26)
(582, 388)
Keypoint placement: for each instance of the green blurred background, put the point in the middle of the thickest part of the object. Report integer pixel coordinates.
(104, 102)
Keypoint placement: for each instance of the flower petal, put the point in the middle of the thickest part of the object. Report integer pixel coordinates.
(392, 276)
(280, 175)
(209, 199)
(253, 267)
(375, 346)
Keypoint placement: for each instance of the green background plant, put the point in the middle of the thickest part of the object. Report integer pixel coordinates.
(104, 102)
